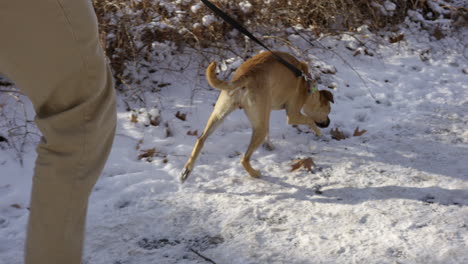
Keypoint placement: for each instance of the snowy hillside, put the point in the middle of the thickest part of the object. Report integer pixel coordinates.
(396, 194)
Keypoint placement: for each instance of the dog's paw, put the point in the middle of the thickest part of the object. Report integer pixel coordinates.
(255, 174)
(316, 130)
(184, 175)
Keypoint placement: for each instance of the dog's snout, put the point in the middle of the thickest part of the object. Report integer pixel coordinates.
(323, 124)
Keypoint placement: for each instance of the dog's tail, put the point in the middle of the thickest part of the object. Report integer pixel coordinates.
(213, 79)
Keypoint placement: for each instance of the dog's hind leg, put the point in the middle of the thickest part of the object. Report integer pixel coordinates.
(223, 107)
(259, 117)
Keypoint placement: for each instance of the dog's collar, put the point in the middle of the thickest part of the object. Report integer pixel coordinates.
(310, 89)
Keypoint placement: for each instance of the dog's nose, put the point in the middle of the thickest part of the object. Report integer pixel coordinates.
(323, 124)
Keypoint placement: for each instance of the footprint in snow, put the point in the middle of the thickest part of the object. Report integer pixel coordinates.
(199, 243)
(3, 223)
(122, 204)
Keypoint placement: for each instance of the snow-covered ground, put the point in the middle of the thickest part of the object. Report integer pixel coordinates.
(396, 194)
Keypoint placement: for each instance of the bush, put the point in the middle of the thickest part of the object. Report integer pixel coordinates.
(129, 28)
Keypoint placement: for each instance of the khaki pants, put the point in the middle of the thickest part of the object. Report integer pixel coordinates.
(50, 49)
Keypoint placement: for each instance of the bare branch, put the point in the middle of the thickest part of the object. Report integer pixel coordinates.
(203, 257)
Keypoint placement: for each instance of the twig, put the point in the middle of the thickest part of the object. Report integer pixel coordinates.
(134, 92)
(345, 61)
(203, 257)
(15, 123)
(285, 41)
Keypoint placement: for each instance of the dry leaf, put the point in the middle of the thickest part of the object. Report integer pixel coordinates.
(337, 134)
(397, 38)
(358, 133)
(139, 144)
(193, 133)
(161, 85)
(17, 206)
(438, 34)
(235, 154)
(155, 121)
(424, 56)
(368, 53)
(147, 153)
(134, 118)
(168, 130)
(181, 116)
(306, 163)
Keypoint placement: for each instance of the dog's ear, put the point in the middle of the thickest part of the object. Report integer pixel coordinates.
(326, 95)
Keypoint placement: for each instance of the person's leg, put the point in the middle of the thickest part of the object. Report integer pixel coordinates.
(51, 50)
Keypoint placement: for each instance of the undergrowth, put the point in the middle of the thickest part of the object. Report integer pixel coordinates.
(132, 29)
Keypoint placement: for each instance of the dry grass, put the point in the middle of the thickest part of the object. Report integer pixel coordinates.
(129, 28)
(132, 29)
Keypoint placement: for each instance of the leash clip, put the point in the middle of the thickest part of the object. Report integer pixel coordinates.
(308, 78)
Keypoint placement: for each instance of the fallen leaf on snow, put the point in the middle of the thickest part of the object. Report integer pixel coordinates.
(192, 133)
(163, 85)
(139, 144)
(168, 130)
(147, 153)
(17, 206)
(181, 116)
(155, 121)
(337, 134)
(358, 133)
(397, 38)
(134, 118)
(438, 34)
(306, 163)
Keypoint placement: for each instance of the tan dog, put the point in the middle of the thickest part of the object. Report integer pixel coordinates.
(260, 85)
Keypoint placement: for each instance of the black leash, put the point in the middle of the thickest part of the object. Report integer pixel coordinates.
(244, 31)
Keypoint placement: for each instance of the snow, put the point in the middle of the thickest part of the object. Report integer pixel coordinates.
(389, 6)
(245, 6)
(196, 7)
(396, 194)
(208, 20)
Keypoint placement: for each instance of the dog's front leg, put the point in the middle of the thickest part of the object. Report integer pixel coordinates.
(295, 117)
(315, 129)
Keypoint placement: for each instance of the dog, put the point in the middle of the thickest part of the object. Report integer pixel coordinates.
(258, 86)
